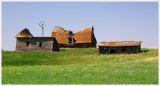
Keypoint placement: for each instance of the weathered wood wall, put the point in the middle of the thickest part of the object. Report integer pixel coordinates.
(36, 44)
(118, 50)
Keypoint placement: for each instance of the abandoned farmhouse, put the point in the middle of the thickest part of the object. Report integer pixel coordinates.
(60, 37)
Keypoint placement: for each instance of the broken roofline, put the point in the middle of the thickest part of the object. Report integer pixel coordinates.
(59, 28)
(26, 33)
(86, 35)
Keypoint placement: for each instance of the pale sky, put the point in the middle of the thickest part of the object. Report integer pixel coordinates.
(112, 21)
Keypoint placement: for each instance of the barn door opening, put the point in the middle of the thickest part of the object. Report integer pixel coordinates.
(124, 50)
(112, 51)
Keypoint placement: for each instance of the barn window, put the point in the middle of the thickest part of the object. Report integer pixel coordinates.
(70, 32)
(27, 44)
(40, 44)
(70, 40)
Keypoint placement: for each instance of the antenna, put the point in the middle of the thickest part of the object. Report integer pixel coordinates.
(42, 24)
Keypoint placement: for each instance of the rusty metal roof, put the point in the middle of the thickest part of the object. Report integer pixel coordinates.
(60, 34)
(120, 43)
(24, 33)
(83, 36)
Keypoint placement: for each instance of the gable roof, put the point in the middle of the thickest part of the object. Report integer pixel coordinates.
(24, 33)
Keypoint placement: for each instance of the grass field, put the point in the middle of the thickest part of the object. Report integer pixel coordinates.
(79, 66)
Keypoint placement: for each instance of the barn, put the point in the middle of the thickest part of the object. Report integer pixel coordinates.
(117, 47)
(67, 38)
(27, 42)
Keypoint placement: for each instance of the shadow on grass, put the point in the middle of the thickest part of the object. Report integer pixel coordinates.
(144, 51)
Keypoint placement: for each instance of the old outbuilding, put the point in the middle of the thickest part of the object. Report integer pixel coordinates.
(26, 42)
(67, 38)
(116, 47)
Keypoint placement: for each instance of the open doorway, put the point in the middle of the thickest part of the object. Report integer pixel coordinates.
(112, 51)
(124, 50)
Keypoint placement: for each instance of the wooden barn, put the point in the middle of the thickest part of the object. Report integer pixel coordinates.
(118, 47)
(26, 42)
(83, 38)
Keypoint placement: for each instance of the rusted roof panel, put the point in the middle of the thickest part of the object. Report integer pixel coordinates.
(24, 33)
(83, 36)
(87, 29)
(120, 43)
(60, 34)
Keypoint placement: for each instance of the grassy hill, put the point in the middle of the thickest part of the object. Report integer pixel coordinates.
(79, 66)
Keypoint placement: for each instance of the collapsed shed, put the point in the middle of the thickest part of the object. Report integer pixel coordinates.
(119, 47)
(26, 42)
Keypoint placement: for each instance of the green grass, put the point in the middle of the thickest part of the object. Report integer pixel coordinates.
(79, 66)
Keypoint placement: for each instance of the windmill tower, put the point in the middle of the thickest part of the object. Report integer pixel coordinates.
(42, 24)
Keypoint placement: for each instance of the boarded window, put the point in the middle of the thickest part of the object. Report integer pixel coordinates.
(70, 32)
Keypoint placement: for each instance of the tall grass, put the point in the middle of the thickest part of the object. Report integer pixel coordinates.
(79, 66)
